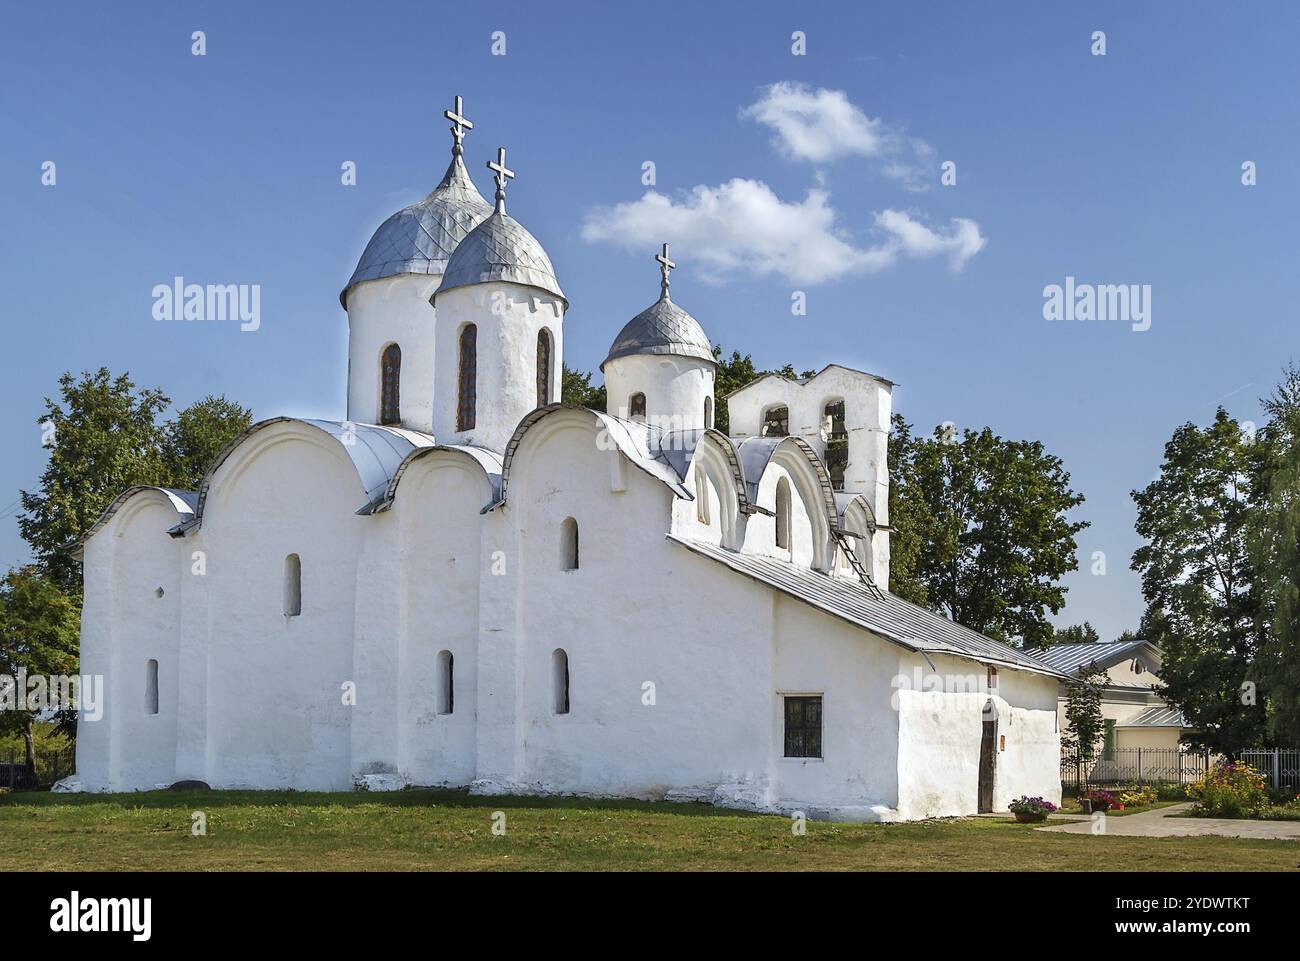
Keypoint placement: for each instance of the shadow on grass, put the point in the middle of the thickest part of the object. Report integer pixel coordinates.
(413, 797)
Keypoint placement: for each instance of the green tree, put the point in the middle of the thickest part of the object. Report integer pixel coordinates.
(992, 539)
(192, 440)
(1084, 725)
(1274, 540)
(39, 632)
(1203, 608)
(575, 388)
(734, 372)
(1083, 633)
(105, 437)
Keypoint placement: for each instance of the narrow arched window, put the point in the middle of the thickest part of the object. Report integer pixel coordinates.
(292, 586)
(776, 422)
(446, 683)
(701, 497)
(543, 367)
(783, 513)
(151, 687)
(569, 544)
(390, 377)
(708, 412)
(636, 407)
(468, 379)
(837, 442)
(560, 681)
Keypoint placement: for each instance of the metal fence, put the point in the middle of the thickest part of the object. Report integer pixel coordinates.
(1281, 766)
(51, 765)
(1136, 765)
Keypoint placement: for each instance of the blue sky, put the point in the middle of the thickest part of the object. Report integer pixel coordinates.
(1117, 169)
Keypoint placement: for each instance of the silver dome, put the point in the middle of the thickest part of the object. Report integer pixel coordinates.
(662, 328)
(500, 249)
(421, 238)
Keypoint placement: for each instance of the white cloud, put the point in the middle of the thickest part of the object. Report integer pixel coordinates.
(742, 226)
(822, 125)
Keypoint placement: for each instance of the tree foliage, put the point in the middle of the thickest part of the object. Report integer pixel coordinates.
(1084, 724)
(982, 529)
(1083, 633)
(1203, 603)
(575, 388)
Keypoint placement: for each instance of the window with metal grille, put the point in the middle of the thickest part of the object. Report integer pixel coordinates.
(468, 379)
(543, 367)
(390, 367)
(803, 726)
(776, 422)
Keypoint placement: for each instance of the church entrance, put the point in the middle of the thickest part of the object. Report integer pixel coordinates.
(988, 757)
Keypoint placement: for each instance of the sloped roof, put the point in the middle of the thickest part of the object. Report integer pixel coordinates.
(1157, 717)
(500, 249)
(885, 614)
(1068, 658)
(804, 381)
(183, 502)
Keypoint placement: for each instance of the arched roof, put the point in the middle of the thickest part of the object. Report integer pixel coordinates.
(639, 442)
(183, 502)
(375, 452)
(756, 453)
(662, 328)
(500, 249)
(488, 460)
(678, 447)
(843, 501)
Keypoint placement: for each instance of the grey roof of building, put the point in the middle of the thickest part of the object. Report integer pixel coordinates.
(662, 328)
(500, 249)
(1157, 717)
(421, 238)
(1068, 658)
(183, 502)
(884, 614)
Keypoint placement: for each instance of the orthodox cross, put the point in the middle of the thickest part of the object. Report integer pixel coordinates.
(459, 124)
(503, 173)
(665, 265)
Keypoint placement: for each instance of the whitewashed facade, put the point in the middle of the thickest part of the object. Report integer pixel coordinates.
(508, 594)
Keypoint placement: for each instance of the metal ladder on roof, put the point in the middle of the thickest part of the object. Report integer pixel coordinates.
(845, 541)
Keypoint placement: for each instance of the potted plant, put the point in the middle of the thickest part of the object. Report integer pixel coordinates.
(1031, 809)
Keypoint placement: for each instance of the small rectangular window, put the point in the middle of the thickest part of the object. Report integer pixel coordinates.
(803, 726)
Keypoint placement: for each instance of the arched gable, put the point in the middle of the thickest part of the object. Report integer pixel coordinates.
(810, 479)
(638, 442)
(182, 502)
(487, 461)
(375, 453)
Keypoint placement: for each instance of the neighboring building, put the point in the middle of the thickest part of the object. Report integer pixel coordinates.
(468, 583)
(1133, 712)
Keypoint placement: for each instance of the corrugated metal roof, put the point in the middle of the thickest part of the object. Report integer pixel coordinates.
(884, 614)
(1157, 717)
(662, 328)
(1068, 658)
(421, 238)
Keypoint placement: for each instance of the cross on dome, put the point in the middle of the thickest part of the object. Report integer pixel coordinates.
(503, 173)
(665, 265)
(459, 125)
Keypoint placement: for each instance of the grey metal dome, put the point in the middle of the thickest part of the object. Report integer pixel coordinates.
(421, 238)
(662, 328)
(500, 248)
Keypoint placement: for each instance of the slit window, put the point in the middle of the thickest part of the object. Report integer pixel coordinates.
(708, 412)
(783, 514)
(467, 379)
(701, 497)
(569, 544)
(390, 370)
(446, 683)
(292, 586)
(543, 367)
(560, 681)
(151, 687)
(803, 726)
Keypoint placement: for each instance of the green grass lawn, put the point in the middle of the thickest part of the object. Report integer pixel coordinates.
(443, 830)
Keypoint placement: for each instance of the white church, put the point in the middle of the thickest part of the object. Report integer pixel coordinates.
(470, 584)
